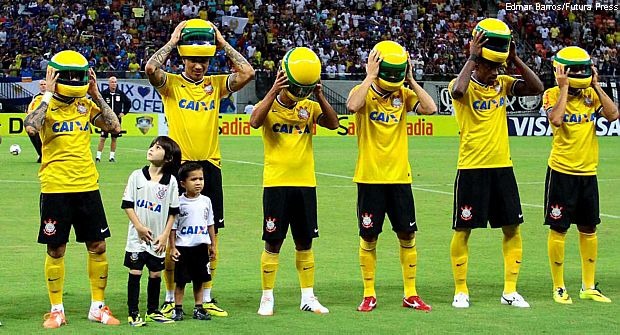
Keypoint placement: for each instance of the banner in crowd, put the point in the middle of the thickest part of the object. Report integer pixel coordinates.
(235, 23)
(539, 126)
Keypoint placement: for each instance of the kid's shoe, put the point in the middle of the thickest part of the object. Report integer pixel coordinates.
(201, 314)
(135, 320)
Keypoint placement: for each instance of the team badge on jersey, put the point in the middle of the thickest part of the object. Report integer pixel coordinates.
(208, 89)
(303, 113)
(556, 212)
(396, 102)
(498, 88)
(161, 192)
(270, 224)
(81, 109)
(50, 227)
(588, 102)
(366, 220)
(466, 213)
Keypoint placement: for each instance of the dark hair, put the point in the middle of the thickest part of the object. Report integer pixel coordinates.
(186, 168)
(172, 156)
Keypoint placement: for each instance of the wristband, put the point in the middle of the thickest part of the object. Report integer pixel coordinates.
(474, 58)
(47, 96)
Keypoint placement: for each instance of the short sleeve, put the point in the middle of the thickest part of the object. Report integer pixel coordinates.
(411, 100)
(508, 84)
(550, 98)
(128, 195)
(209, 212)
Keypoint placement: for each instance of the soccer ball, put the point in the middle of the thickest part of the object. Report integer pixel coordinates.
(15, 149)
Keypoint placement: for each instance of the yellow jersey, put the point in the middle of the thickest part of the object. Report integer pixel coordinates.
(383, 146)
(483, 125)
(575, 146)
(192, 111)
(66, 163)
(287, 138)
(36, 101)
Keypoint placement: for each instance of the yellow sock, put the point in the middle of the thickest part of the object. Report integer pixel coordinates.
(555, 248)
(588, 248)
(459, 255)
(55, 274)
(368, 264)
(169, 271)
(269, 268)
(304, 261)
(408, 263)
(513, 254)
(98, 274)
(209, 284)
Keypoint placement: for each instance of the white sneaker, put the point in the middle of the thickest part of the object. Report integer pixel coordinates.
(312, 304)
(266, 306)
(461, 300)
(514, 299)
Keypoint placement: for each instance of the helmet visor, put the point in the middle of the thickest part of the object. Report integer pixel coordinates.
(300, 91)
(579, 71)
(391, 75)
(73, 77)
(499, 44)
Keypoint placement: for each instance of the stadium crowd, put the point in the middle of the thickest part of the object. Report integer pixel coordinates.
(118, 36)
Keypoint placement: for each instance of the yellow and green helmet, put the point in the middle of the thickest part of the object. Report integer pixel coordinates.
(393, 67)
(303, 70)
(498, 36)
(197, 39)
(578, 61)
(72, 69)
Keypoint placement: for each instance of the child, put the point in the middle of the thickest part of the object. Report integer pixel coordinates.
(190, 243)
(151, 201)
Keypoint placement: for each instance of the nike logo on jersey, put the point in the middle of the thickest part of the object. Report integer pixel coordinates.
(55, 109)
(105, 229)
(140, 187)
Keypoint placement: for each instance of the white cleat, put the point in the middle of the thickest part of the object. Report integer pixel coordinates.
(461, 300)
(313, 305)
(514, 299)
(266, 306)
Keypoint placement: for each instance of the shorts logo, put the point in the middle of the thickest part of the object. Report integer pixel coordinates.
(466, 213)
(50, 227)
(366, 220)
(270, 224)
(556, 212)
(134, 256)
(161, 192)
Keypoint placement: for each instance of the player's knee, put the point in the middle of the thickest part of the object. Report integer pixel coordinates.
(135, 272)
(511, 230)
(155, 275)
(561, 230)
(96, 247)
(302, 245)
(406, 236)
(273, 246)
(56, 251)
(586, 229)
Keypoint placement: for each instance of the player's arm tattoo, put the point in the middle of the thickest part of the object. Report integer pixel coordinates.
(153, 70)
(244, 73)
(36, 118)
(106, 120)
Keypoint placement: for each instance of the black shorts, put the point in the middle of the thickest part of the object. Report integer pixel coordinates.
(482, 195)
(137, 261)
(82, 210)
(375, 200)
(104, 134)
(193, 265)
(285, 206)
(213, 190)
(571, 199)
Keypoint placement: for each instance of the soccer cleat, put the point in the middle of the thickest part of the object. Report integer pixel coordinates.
(561, 296)
(112, 160)
(103, 315)
(313, 305)
(212, 308)
(54, 319)
(593, 294)
(167, 309)
(368, 304)
(135, 320)
(461, 300)
(178, 315)
(158, 317)
(416, 302)
(201, 314)
(514, 299)
(266, 306)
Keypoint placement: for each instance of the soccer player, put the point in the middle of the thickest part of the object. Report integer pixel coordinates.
(191, 104)
(120, 104)
(69, 188)
(485, 188)
(151, 201)
(191, 244)
(288, 119)
(571, 187)
(383, 173)
(36, 100)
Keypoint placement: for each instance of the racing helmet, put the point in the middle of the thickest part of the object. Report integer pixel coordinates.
(197, 39)
(303, 70)
(498, 36)
(72, 69)
(578, 61)
(393, 67)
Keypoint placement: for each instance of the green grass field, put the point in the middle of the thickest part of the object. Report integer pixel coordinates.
(23, 296)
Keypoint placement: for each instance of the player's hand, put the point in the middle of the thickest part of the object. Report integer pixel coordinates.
(476, 44)
(174, 254)
(145, 234)
(409, 75)
(372, 65)
(318, 89)
(176, 34)
(562, 77)
(512, 53)
(160, 244)
(93, 90)
(219, 39)
(594, 76)
(280, 83)
(50, 79)
(212, 252)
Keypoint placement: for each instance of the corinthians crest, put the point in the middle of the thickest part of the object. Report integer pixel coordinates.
(303, 113)
(270, 224)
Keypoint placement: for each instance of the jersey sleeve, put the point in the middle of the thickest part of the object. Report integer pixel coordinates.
(128, 195)
(508, 84)
(221, 81)
(94, 110)
(550, 98)
(209, 212)
(165, 88)
(596, 102)
(411, 100)
(36, 101)
(173, 197)
(316, 111)
(365, 98)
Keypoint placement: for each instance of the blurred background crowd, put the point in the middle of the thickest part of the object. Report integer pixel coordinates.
(118, 37)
